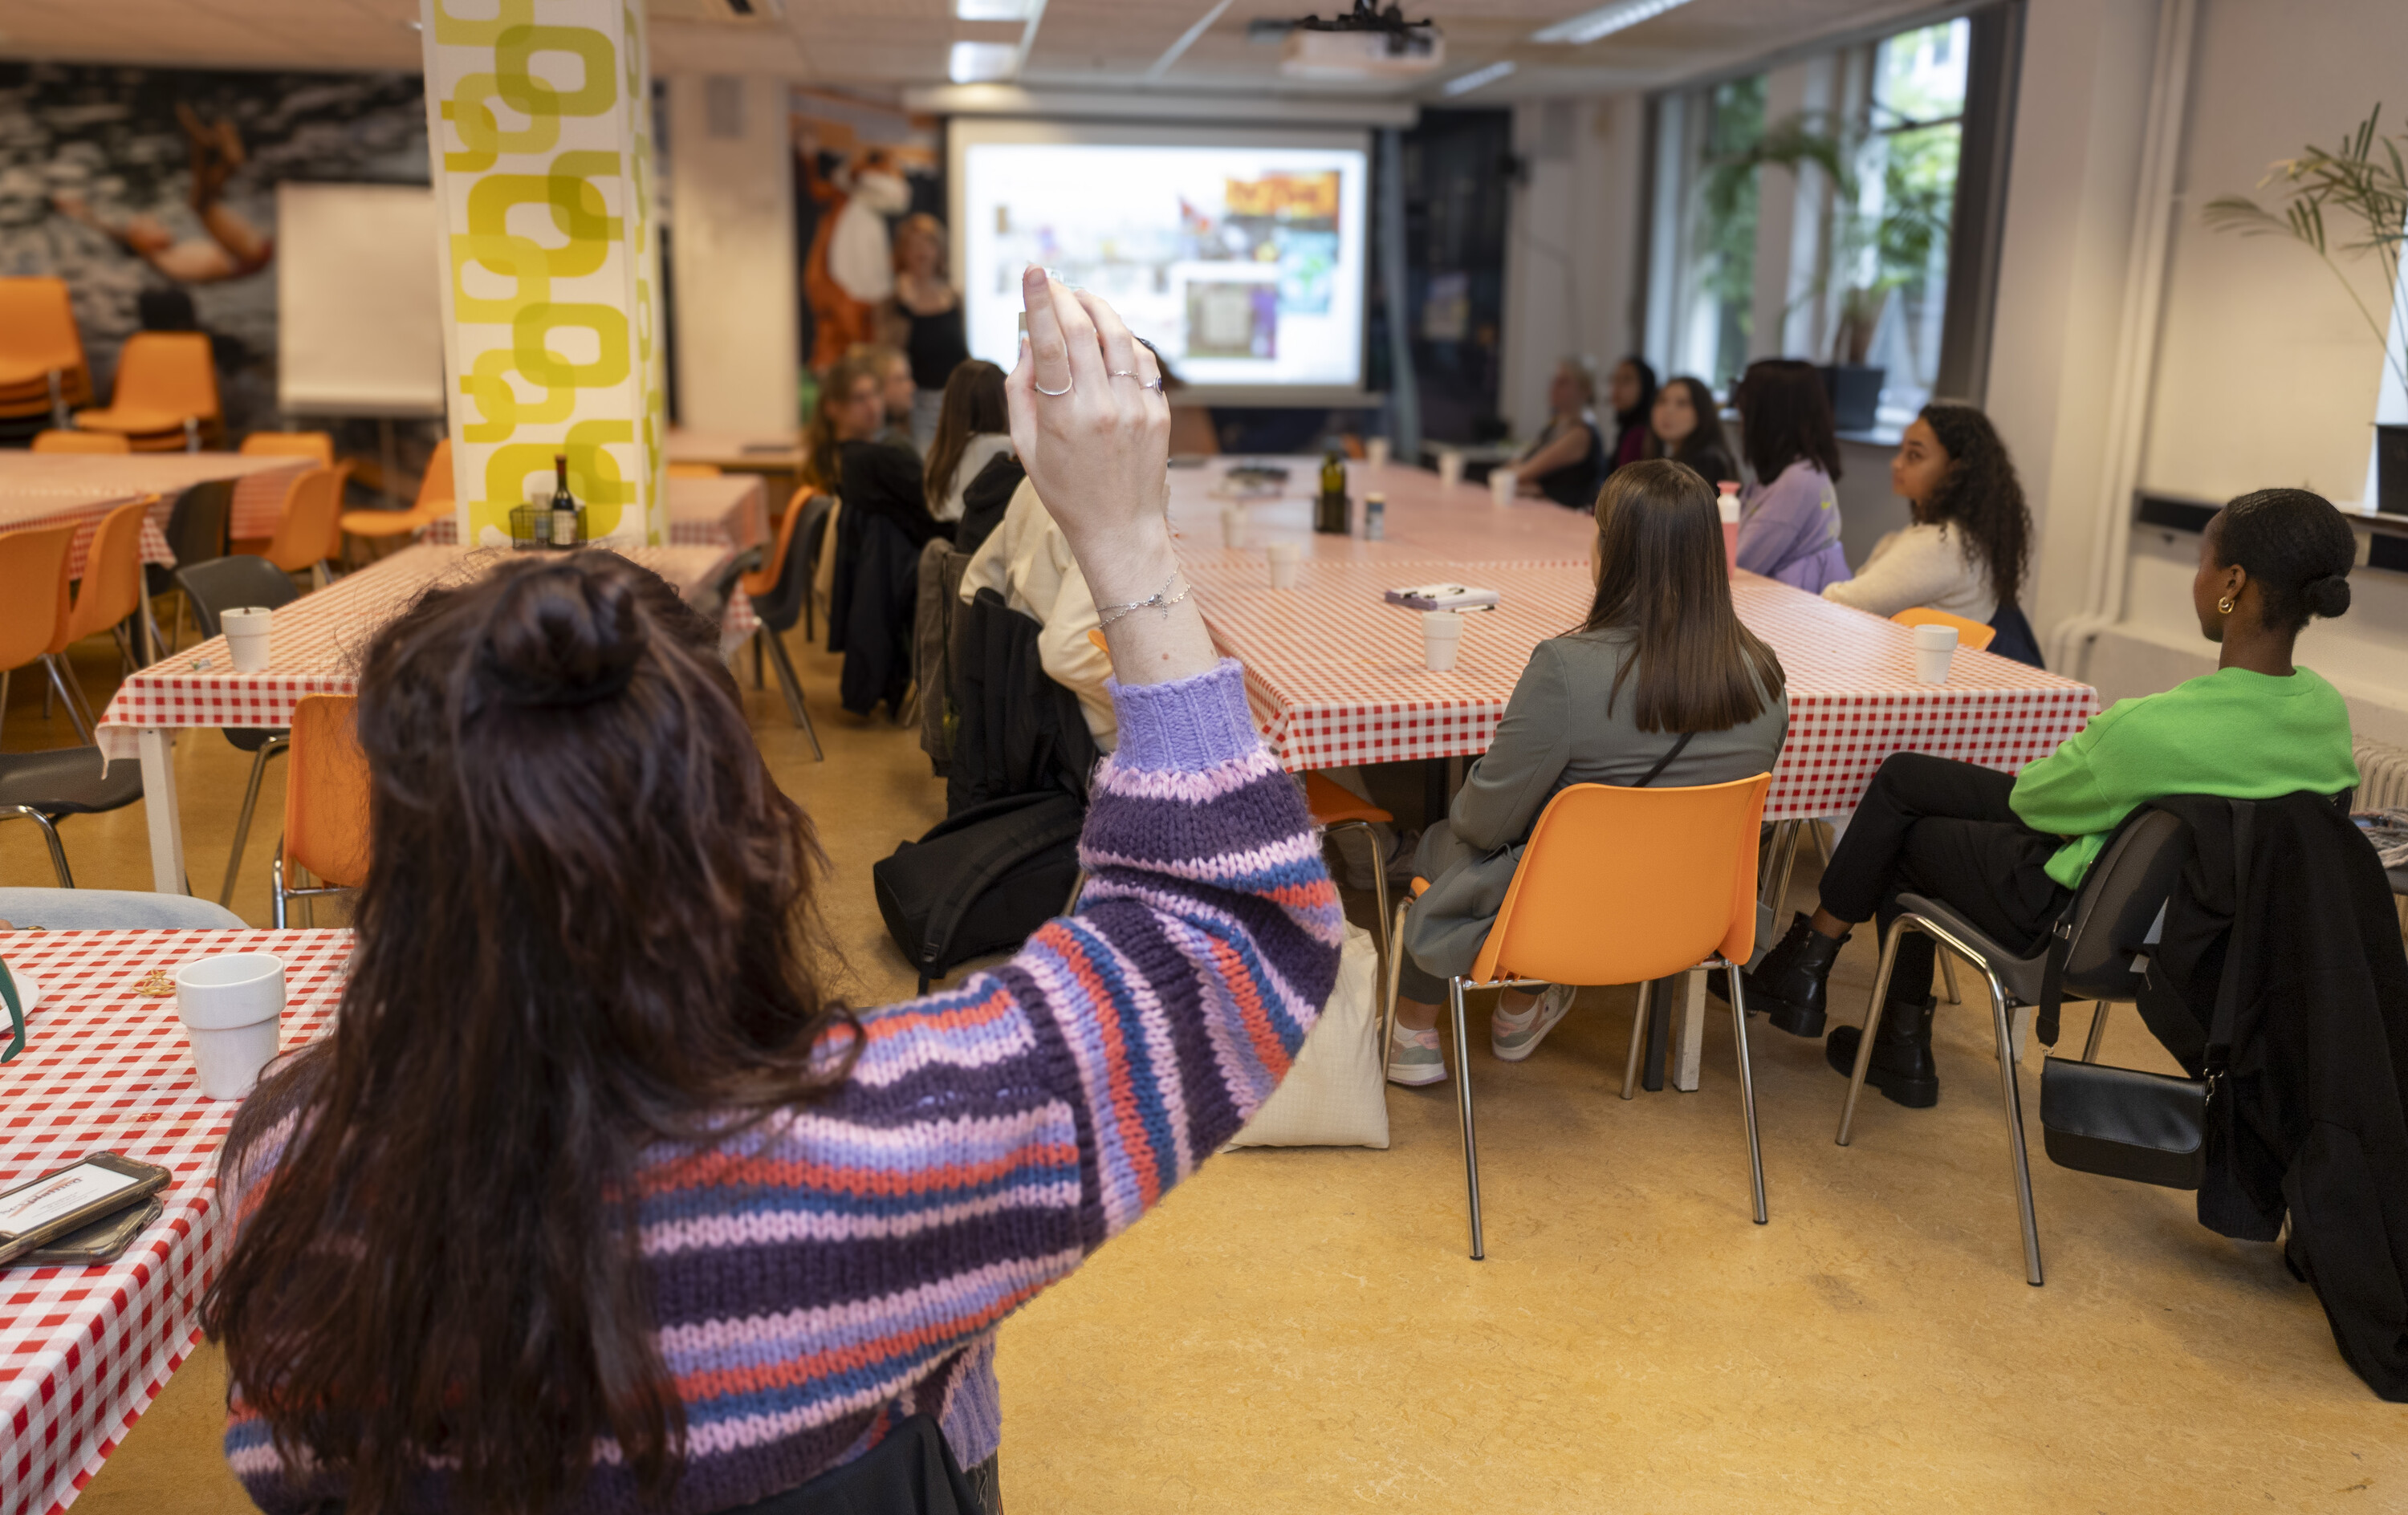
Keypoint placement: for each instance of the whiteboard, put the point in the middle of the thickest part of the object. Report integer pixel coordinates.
(359, 300)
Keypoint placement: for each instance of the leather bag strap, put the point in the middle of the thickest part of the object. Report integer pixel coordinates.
(1665, 761)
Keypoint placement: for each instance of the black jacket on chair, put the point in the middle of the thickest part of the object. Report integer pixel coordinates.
(1020, 732)
(2289, 913)
(874, 588)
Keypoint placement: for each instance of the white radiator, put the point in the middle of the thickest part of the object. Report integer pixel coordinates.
(2383, 775)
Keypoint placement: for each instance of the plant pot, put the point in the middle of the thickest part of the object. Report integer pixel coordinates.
(1854, 389)
(2391, 470)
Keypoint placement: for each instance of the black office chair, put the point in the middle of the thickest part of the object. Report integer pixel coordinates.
(65, 781)
(779, 609)
(196, 533)
(214, 587)
(2114, 922)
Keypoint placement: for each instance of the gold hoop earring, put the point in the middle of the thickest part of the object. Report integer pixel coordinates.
(2225, 605)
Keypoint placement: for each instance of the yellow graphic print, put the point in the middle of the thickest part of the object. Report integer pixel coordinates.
(540, 122)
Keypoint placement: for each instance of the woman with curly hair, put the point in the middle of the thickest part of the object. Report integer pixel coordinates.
(1971, 538)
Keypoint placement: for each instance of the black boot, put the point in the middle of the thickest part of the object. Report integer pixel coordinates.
(1787, 986)
(1901, 1067)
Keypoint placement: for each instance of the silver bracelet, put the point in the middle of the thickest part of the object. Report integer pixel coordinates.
(1161, 599)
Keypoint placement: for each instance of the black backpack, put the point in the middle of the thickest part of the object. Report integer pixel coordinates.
(982, 881)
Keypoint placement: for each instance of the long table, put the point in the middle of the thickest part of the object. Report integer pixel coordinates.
(730, 511)
(315, 651)
(39, 489)
(83, 1350)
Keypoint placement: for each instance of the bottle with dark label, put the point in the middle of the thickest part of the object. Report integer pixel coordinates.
(564, 506)
(1375, 517)
(1330, 514)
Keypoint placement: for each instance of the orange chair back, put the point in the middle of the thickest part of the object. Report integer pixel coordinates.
(34, 591)
(694, 470)
(326, 793)
(436, 486)
(112, 573)
(313, 508)
(166, 374)
(763, 579)
(1972, 634)
(1620, 886)
(317, 445)
(54, 440)
(38, 335)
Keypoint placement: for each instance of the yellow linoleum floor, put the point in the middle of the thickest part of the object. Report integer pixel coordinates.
(1302, 1330)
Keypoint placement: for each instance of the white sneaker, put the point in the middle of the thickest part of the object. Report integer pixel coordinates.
(1413, 1058)
(1515, 1037)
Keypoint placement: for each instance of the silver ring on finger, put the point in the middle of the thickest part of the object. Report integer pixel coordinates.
(1123, 373)
(1054, 395)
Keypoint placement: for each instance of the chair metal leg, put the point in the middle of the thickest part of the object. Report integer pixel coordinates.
(2098, 1033)
(1395, 970)
(1788, 862)
(1463, 1112)
(2021, 1159)
(1746, 1088)
(50, 834)
(68, 697)
(276, 888)
(1380, 940)
(249, 803)
(1637, 1039)
(760, 660)
(793, 691)
(1948, 975)
(1872, 1024)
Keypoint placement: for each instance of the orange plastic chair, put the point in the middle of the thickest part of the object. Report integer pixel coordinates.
(110, 592)
(326, 804)
(313, 503)
(33, 611)
(1970, 633)
(694, 470)
(1621, 886)
(166, 397)
(435, 499)
(42, 363)
(55, 440)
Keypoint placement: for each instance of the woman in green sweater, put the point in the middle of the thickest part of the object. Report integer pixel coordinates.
(2009, 851)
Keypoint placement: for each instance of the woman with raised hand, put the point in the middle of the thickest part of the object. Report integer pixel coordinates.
(594, 1198)
(1790, 530)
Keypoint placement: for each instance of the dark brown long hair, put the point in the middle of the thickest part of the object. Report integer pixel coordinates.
(818, 437)
(1980, 496)
(584, 931)
(1660, 542)
(973, 403)
(1785, 414)
(1704, 449)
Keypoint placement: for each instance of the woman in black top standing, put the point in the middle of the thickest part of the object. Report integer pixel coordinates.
(923, 319)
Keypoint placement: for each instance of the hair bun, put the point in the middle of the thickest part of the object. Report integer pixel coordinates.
(564, 635)
(2327, 596)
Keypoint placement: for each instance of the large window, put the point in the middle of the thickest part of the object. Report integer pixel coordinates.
(1908, 174)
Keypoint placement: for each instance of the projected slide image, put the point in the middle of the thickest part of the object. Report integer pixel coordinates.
(1244, 266)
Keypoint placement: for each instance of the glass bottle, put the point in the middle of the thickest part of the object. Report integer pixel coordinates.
(564, 506)
(1330, 515)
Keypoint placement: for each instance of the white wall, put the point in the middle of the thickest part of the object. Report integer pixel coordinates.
(731, 213)
(1571, 253)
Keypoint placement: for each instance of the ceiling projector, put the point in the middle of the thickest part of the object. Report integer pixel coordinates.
(1366, 43)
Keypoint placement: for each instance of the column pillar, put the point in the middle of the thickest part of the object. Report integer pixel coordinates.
(538, 122)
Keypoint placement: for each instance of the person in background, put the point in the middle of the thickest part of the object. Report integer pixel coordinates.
(852, 408)
(2009, 851)
(1971, 542)
(1027, 560)
(1707, 705)
(924, 320)
(1567, 462)
(972, 431)
(1686, 426)
(1790, 530)
(896, 391)
(1631, 390)
(705, 1233)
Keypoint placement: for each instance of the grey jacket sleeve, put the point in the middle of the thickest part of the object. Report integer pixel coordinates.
(1502, 794)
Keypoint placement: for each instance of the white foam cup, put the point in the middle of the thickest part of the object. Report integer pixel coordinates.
(1283, 556)
(1501, 483)
(1375, 451)
(231, 1007)
(1442, 633)
(1450, 467)
(247, 636)
(1233, 526)
(1934, 648)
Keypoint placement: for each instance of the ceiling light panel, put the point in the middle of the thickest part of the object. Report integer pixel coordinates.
(982, 62)
(1604, 20)
(1466, 83)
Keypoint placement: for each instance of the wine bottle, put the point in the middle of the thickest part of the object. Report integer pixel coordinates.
(1331, 517)
(564, 506)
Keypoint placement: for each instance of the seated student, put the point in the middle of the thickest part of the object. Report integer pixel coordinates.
(972, 431)
(1686, 426)
(1630, 391)
(1028, 561)
(1662, 679)
(1567, 461)
(1790, 530)
(645, 1217)
(882, 523)
(896, 391)
(2009, 851)
(1971, 538)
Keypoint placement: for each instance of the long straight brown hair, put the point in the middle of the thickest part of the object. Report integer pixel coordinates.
(973, 405)
(1695, 667)
(584, 932)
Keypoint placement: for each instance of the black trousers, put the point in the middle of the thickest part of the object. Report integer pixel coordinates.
(1941, 828)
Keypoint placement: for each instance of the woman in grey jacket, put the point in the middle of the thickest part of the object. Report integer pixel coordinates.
(1660, 685)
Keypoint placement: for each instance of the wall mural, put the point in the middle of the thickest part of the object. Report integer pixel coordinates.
(152, 193)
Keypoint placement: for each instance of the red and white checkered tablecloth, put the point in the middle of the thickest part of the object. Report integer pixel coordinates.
(1424, 519)
(1334, 675)
(319, 638)
(84, 508)
(731, 511)
(83, 1350)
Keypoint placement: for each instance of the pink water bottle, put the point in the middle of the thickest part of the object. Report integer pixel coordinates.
(1727, 503)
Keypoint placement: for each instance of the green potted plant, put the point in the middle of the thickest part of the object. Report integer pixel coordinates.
(2344, 203)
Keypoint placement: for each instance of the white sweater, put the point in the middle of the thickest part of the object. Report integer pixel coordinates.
(981, 449)
(1925, 567)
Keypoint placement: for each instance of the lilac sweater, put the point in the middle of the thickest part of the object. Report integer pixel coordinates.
(837, 1267)
(1791, 530)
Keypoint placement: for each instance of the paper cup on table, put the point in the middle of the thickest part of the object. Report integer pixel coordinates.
(1501, 484)
(1375, 451)
(232, 1007)
(1283, 556)
(247, 634)
(1935, 647)
(1442, 634)
(1449, 469)
(1233, 527)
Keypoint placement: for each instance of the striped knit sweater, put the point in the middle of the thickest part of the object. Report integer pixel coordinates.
(844, 1264)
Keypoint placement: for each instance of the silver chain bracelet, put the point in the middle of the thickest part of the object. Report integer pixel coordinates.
(1161, 599)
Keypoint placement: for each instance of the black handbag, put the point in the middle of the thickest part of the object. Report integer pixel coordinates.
(2123, 1123)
